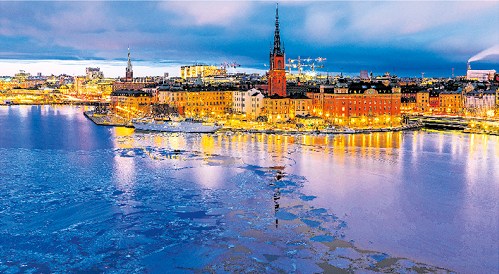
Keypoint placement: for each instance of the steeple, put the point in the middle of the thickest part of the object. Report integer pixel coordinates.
(277, 38)
(129, 65)
(129, 71)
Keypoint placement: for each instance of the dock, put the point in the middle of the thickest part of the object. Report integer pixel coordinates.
(106, 119)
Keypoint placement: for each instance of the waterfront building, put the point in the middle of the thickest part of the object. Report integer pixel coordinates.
(208, 102)
(322, 101)
(300, 105)
(423, 101)
(174, 96)
(408, 97)
(434, 98)
(276, 108)
(480, 102)
(242, 101)
(451, 102)
(98, 88)
(277, 72)
(256, 106)
(131, 103)
(358, 104)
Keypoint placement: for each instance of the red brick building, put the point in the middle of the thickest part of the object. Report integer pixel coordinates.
(277, 72)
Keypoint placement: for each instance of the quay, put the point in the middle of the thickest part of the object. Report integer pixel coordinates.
(106, 119)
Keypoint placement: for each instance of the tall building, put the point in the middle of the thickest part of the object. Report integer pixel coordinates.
(277, 73)
(129, 70)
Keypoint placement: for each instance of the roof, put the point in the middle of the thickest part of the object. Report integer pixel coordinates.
(131, 93)
(298, 96)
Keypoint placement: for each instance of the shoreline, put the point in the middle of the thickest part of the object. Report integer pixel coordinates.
(113, 120)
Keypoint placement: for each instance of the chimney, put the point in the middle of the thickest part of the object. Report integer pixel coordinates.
(469, 66)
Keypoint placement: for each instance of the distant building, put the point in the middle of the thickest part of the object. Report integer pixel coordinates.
(129, 70)
(93, 73)
(277, 73)
(364, 74)
(194, 71)
(480, 75)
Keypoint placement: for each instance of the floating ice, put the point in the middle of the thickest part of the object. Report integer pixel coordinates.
(340, 263)
(323, 238)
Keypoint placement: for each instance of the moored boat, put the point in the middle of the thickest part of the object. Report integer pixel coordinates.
(176, 125)
(339, 130)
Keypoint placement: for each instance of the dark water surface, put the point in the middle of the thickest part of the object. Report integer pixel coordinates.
(76, 197)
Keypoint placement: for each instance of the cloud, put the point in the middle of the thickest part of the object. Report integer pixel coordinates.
(380, 21)
(204, 13)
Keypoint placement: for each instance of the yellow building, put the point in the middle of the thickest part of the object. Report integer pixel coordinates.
(451, 102)
(131, 103)
(300, 105)
(208, 103)
(423, 101)
(98, 88)
(276, 108)
(174, 96)
(203, 70)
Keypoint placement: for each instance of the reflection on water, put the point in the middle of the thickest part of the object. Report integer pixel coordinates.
(142, 198)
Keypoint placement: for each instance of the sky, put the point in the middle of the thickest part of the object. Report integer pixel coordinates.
(405, 38)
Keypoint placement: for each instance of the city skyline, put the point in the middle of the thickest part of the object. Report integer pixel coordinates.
(404, 38)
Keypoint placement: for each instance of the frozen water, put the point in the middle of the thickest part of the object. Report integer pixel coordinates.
(100, 199)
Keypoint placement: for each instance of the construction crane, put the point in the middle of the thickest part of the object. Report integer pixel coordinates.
(230, 65)
(300, 64)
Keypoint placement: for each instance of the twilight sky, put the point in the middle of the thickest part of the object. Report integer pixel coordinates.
(409, 37)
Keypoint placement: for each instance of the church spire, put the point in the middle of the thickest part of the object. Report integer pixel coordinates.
(129, 65)
(129, 71)
(277, 37)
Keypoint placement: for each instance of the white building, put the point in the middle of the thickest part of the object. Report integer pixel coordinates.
(248, 102)
(480, 75)
(479, 102)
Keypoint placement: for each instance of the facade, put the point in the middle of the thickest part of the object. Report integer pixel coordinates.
(199, 70)
(479, 103)
(131, 85)
(423, 101)
(256, 106)
(480, 75)
(130, 103)
(276, 108)
(208, 103)
(300, 105)
(434, 100)
(451, 102)
(277, 72)
(360, 104)
(248, 102)
(173, 96)
(93, 73)
(409, 98)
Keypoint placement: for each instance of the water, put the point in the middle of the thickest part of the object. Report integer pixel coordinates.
(76, 197)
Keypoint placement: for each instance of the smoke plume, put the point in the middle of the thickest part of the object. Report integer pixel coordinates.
(490, 51)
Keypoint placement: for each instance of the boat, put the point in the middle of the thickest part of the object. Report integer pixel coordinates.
(339, 130)
(175, 125)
